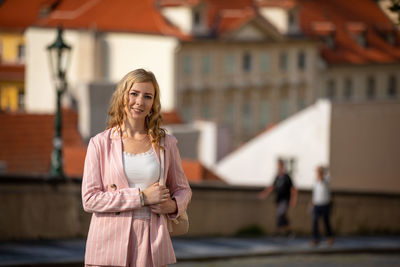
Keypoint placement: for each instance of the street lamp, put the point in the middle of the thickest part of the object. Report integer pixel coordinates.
(59, 56)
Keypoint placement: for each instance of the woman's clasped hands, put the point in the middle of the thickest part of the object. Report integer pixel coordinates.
(159, 199)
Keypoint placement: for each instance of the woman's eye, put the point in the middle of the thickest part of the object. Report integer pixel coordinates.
(134, 93)
(148, 96)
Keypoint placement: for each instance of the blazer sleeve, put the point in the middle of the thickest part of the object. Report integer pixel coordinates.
(94, 197)
(176, 179)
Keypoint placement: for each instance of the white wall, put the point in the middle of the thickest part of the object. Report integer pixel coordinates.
(304, 136)
(277, 17)
(179, 16)
(125, 52)
(155, 53)
(40, 96)
(207, 145)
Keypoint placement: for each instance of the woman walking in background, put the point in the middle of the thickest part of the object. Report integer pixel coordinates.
(321, 206)
(120, 181)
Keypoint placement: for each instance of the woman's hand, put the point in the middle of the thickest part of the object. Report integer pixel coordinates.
(166, 207)
(155, 194)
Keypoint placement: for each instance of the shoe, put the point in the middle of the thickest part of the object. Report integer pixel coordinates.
(329, 241)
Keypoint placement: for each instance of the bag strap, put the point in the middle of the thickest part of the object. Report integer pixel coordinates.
(161, 176)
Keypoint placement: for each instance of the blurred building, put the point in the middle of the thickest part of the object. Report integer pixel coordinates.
(12, 58)
(358, 142)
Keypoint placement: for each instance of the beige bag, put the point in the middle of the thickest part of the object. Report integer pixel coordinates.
(180, 225)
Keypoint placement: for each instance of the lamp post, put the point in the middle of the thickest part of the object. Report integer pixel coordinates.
(59, 54)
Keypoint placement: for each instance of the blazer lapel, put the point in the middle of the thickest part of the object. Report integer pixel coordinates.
(116, 156)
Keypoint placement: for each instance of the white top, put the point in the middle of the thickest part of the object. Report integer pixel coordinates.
(321, 193)
(141, 170)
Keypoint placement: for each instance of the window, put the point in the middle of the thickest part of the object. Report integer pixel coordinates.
(331, 89)
(370, 88)
(247, 62)
(291, 18)
(330, 40)
(205, 111)
(229, 113)
(21, 52)
(196, 17)
(187, 64)
(284, 108)
(264, 116)
(348, 89)
(301, 60)
(361, 39)
(392, 87)
(206, 64)
(229, 63)
(264, 62)
(301, 103)
(187, 106)
(21, 99)
(283, 61)
(247, 120)
(187, 113)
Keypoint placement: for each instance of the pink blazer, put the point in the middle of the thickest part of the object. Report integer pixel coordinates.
(106, 194)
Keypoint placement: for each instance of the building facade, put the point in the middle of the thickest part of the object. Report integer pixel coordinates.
(12, 67)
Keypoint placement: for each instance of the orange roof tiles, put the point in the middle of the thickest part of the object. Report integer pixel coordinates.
(173, 3)
(117, 15)
(234, 19)
(196, 172)
(216, 8)
(286, 4)
(26, 143)
(20, 14)
(171, 117)
(345, 20)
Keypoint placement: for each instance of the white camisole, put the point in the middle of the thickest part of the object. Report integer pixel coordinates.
(141, 170)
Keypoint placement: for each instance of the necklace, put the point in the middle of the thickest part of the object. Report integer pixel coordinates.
(131, 138)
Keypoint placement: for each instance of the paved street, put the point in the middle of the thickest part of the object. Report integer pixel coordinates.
(325, 260)
(265, 251)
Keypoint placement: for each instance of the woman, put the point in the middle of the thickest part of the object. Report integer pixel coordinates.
(321, 206)
(120, 181)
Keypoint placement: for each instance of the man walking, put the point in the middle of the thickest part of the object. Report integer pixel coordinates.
(286, 194)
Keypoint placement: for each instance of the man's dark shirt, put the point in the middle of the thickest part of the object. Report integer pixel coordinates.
(282, 187)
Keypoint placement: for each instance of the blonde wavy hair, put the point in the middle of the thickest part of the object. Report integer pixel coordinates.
(117, 115)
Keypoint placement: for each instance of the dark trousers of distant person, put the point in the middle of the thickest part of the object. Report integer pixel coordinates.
(324, 212)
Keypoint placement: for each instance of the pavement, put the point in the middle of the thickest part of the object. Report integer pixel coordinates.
(71, 252)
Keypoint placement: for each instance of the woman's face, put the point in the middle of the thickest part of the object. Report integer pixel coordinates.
(140, 100)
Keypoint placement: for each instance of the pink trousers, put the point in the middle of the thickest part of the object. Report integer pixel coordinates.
(139, 250)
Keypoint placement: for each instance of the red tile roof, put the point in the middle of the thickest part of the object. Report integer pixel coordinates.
(174, 3)
(286, 4)
(102, 15)
(26, 143)
(117, 15)
(171, 117)
(345, 20)
(197, 173)
(222, 15)
(17, 15)
(232, 19)
(226, 14)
